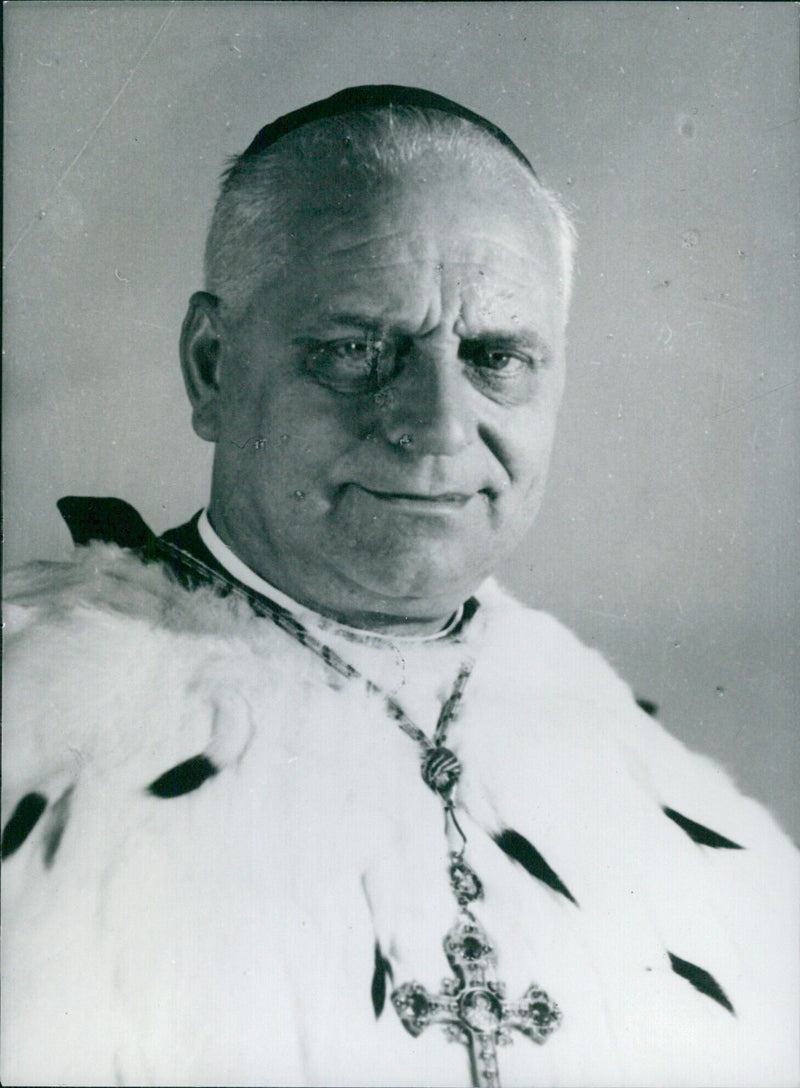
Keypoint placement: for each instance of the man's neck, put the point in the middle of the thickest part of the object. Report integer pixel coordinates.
(382, 624)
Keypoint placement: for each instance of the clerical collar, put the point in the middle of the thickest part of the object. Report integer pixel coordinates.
(234, 566)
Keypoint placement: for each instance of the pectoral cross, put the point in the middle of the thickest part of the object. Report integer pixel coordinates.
(472, 1006)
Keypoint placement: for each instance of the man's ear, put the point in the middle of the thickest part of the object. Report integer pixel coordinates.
(201, 348)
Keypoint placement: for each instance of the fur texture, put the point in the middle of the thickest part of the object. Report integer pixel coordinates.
(228, 935)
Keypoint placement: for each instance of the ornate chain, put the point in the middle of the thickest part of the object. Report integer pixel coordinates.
(437, 769)
(472, 1006)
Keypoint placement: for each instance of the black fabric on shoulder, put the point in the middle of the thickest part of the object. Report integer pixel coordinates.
(112, 521)
(185, 777)
(186, 538)
(518, 848)
(471, 606)
(701, 979)
(383, 969)
(703, 835)
(648, 706)
(21, 822)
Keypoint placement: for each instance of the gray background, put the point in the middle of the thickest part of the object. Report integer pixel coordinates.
(669, 535)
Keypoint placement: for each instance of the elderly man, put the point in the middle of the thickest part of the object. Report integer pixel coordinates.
(294, 793)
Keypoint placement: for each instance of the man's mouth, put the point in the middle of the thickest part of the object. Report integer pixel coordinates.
(424, 502)
(451, 498)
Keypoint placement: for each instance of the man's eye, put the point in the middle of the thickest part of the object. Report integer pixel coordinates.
(352, 364)
(500, 361)
(358, 352)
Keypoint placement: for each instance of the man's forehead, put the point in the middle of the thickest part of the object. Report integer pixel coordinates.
(390, 276)
(337, 210)
(410, 254)
(435, 231)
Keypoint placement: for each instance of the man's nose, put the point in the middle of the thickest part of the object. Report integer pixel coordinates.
(428, 408)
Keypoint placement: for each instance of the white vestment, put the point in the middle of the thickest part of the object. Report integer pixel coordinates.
(227, 936)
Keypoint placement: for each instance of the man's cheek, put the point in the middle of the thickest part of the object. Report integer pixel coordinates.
(239, 418)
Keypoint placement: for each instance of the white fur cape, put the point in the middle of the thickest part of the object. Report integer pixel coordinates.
(227, 936)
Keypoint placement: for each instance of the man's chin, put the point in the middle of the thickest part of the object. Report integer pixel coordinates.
(417, 562)
(414, 584)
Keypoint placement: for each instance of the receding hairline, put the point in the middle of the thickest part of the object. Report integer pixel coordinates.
(343, 158)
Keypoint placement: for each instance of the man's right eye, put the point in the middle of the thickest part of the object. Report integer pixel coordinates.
(359, 352)
(352, 364)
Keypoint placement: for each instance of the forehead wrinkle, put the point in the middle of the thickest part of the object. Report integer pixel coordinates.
(491, 282)
(351, 247)
(436, 266)
(480, 248)
(368, 266)
(466, 276)
(365, 310)
(487, 300)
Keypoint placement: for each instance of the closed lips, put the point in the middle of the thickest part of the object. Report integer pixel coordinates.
(455, 497)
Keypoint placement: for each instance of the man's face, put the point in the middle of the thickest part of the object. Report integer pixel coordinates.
(387, 408)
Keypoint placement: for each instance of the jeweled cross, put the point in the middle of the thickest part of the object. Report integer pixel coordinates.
(472, 1007)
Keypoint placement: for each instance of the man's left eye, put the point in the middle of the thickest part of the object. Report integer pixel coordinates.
(508, 362)
(502, 360)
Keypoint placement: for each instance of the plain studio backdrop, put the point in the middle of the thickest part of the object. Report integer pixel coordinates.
(668, 537)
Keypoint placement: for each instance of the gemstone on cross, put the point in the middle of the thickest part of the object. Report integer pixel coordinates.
(472, 1007)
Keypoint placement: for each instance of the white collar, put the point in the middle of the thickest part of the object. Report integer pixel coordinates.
(242, 573)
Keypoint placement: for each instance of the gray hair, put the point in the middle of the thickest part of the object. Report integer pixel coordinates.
(248, 241)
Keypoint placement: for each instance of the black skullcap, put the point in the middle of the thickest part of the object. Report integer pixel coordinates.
(376, 96)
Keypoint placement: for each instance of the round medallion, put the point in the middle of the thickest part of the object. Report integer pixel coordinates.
(480, 1009)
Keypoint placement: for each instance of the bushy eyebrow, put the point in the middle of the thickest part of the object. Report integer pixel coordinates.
(517, 340)
(361, 321)
(516, 337)
(523, 337)
(349, 321)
